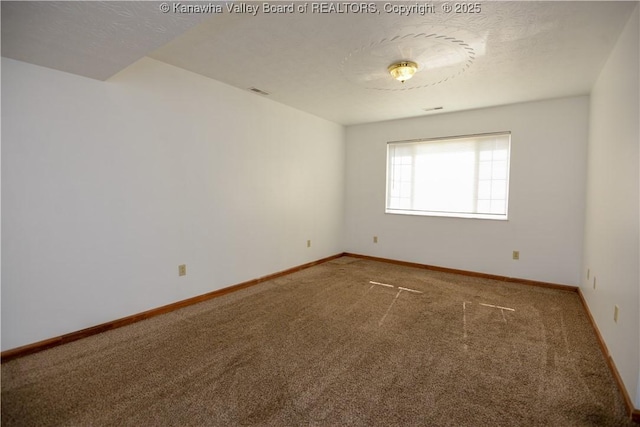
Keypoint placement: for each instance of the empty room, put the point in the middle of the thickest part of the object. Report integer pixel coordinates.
(320, 213)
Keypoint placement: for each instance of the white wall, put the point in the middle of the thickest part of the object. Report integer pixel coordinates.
(108, 186)
(547, 185)
(611, 250)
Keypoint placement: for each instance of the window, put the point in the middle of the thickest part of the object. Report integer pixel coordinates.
(464, 176)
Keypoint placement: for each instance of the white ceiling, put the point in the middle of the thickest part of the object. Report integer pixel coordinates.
(88, 38)
(334, 65)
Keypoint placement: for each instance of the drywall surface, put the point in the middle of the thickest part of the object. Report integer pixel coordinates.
(611, 250)
(108, 186)
(546, 196)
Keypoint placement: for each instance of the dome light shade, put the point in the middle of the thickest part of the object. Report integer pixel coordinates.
(403, 70)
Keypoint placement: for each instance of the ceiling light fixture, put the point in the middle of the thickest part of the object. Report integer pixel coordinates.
(403, 70)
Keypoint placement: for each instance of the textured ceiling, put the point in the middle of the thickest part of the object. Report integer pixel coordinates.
(333, 64)
(88, 38)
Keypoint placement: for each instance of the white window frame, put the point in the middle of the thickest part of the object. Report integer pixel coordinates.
(402, 184)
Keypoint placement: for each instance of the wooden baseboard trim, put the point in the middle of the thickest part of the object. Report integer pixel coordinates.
(468, 273)
(25, 350)
(634, 413)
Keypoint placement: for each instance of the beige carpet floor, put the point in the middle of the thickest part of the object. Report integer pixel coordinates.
(348, 342)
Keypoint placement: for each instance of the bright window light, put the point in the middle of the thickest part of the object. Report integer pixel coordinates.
(464, 176)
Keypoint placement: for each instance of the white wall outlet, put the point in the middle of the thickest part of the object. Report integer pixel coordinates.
(516, 255)
(182, 270)
(594, 282)
(616, 311)
(375, 239)
(308, 243)
(588, 273)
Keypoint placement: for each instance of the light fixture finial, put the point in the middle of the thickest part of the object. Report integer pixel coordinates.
(403, 70)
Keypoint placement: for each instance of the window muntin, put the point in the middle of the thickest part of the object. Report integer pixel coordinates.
(458, 176)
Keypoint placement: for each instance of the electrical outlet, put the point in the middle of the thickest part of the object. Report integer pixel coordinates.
(182, 270)
(308, 243)
(588, 273)
(375, 239)
(594, 282)
(516, 255)
(616, 310)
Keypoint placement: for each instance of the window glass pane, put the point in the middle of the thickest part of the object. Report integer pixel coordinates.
(500, 154)
(484, 206)
(498, 190)
(486, 155)
(484, 189)
(497, 206)
(405, 173)
(499, 170)
(484, 171)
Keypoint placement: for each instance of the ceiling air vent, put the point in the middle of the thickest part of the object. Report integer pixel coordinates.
(433, 109)
(258, 91)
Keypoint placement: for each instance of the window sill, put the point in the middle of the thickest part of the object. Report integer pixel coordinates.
(495, 217)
